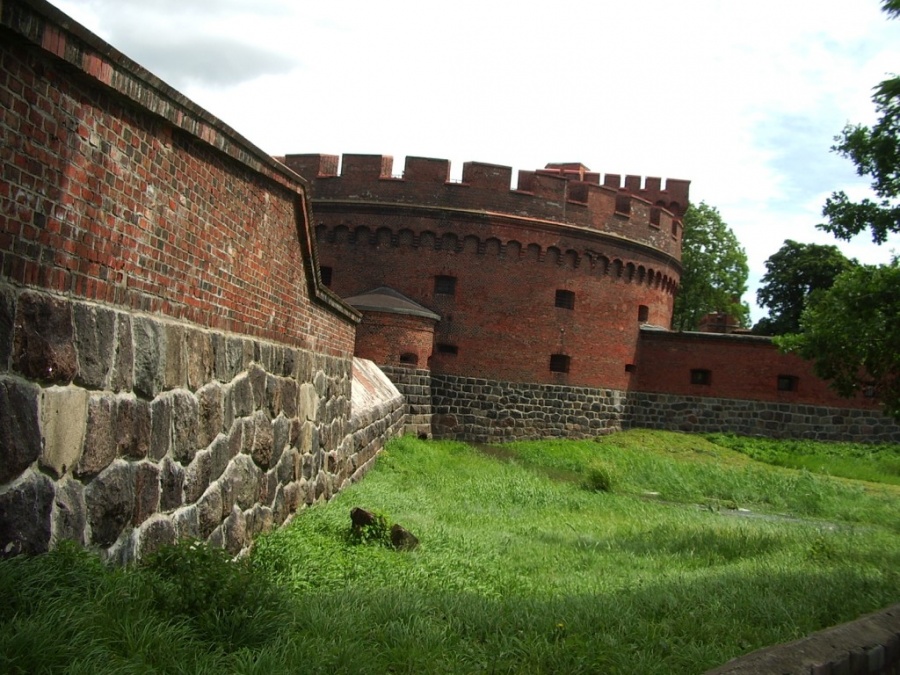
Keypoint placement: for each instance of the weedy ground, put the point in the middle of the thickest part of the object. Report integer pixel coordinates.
(641, 552)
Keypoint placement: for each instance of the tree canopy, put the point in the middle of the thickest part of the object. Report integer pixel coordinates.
(852, 331)
(714, 270)
(793, 274)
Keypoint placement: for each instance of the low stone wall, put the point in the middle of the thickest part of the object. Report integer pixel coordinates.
(695, 414)
(868, 646)
(415, 385)
(124, 432)
(490, 411)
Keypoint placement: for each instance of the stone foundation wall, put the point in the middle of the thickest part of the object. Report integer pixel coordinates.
(415, 385)
(696, 414)
(490, 411)
(124, 431)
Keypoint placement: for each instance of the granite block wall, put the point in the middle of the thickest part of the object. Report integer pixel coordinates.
(700, 414)
(123, 432)
(491, 411)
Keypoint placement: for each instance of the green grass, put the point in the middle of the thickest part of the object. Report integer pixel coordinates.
(546, 557)
(861, 461)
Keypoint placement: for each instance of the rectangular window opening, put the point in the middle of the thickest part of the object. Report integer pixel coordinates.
(643, 313)
(630, 367)
(565, 299)
(559, 363)
(444, 348)
(325, 275)
(444, 285)
(701, 376)
(787, 383)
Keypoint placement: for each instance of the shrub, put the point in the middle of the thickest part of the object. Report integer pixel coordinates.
(600, 477)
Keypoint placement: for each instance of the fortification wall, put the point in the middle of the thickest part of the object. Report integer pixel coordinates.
(503, 319)
(169, 364)
(639, 210)
(742, 367)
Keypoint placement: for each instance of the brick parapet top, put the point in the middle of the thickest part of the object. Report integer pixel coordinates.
(641, 209)
(45, 27)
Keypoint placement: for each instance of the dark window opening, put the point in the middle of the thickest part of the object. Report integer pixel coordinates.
(701, 376)
(565, 299)
(787, 383)
(444, 348)
(445, 285)
(409, 359)
(325, 275)
(630, 367)
(559, 363)
(643, 313)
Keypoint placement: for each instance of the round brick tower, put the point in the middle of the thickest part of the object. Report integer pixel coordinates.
(546, 283)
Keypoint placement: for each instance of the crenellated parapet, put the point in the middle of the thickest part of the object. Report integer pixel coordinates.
(643, 210)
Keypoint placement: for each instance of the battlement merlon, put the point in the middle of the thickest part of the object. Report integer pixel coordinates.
(564, 192)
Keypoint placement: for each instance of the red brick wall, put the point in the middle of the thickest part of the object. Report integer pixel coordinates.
(384, 338)
(502, 317)
(741, 367)
(117, 189)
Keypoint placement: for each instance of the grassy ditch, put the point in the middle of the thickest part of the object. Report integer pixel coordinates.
(642, 552)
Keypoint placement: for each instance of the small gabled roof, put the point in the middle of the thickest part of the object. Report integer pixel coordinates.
(384, 299)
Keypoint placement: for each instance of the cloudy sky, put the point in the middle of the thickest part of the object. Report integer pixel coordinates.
(742, 98)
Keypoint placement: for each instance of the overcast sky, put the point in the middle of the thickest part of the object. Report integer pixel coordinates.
(742, 98)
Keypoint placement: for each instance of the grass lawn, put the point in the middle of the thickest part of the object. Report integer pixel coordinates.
(641, 552)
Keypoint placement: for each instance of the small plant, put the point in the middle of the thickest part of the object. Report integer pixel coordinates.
(370, 527)
(601, 477)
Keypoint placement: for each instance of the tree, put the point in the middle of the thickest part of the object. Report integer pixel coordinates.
(852, 331)
(793, 273)
(876, 153)
(714, 270)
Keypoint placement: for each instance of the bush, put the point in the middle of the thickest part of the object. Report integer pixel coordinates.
(601, 477)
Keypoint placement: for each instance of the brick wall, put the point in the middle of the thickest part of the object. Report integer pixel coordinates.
(743, 367)
(169, 364)
(501, 321)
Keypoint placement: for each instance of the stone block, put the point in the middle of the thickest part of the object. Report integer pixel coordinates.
(155, 534)
(273, 395)
(25, 516)
(200, 358)
(197, 476)
(149, 342)
(110, 503)
(20, 431)
(210, 400)
(244, 477)
(185, 423)
(121, 378)
(187, 523)
(44, 339)
(95, 330)
(99, 448)
(133, 427)
(146, 492)
(209, 511)
(258, 384)
(63, 418)
(171, 485)
(242, 396)
(69, 512)
(308, 402)
(175, 371)
(161, 426)
(234, 532)
(263, 440)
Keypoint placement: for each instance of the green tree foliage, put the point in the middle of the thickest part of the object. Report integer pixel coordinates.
(793, 274)
(714, 270)
(876, 153)
(852, 331)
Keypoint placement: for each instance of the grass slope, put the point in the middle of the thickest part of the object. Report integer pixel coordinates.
(524, 567)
